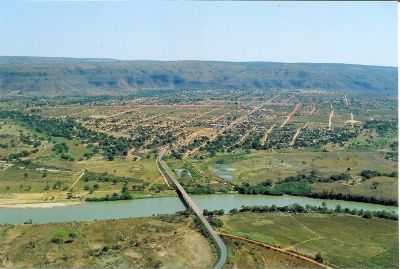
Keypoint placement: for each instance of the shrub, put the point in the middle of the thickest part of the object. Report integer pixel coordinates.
(318, 258)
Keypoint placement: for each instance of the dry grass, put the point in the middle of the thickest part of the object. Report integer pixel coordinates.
(129, 243)
(243, 255)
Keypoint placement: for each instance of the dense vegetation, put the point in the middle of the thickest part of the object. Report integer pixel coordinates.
(383, 127)
(352, 197)
(67, 128)
(104, 177)
(113, 197)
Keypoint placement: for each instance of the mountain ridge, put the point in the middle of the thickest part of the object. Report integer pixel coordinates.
(48, 76)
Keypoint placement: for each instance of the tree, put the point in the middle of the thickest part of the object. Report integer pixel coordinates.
(367, 214)
(338, 209)
(124, 188)
(234, 211)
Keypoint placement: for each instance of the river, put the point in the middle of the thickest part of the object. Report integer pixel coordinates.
(164, 205)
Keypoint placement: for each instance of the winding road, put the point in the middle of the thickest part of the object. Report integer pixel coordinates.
(168, 175)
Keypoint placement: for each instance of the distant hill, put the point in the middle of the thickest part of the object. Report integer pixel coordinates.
(50, 60)
(41, 76)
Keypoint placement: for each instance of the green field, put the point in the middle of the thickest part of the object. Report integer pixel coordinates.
(262, 165)
(343, 241)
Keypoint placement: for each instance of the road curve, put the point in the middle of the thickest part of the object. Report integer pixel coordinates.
(167, 173)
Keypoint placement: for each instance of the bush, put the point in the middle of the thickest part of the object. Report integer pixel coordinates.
(367, 215)
(369, 174)
(233, 211)
(67, 157)
(60, 148)
(216, 222)
(217, 212)
(63, 236)
(318, 258)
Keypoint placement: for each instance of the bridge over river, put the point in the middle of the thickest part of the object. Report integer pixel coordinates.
(187, 200)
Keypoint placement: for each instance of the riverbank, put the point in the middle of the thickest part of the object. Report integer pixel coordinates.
(146, 207)
(39, 204)
(36, 200)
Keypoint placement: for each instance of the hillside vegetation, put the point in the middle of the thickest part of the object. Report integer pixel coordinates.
(37, 76)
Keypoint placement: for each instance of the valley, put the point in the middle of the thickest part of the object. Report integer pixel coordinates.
(75, 162)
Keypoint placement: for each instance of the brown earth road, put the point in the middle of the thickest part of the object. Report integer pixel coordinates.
(331, 115)
(267, 133)
(291, 114)
(298, 131)
(290, 253)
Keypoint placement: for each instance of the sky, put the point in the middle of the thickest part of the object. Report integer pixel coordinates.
(338, 32)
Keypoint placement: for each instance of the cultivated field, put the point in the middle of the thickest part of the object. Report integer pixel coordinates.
(343, 241)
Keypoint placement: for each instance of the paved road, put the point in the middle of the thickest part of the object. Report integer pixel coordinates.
(167, 173)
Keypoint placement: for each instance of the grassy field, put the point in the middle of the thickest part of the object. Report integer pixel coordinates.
(243, 255)
(23, 179)
(167, 242)
(343, 241)
(260, 166)
(51, 174)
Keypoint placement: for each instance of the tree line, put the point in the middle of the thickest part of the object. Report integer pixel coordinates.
(296, 208)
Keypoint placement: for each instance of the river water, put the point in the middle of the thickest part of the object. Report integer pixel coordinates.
(165, 205)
